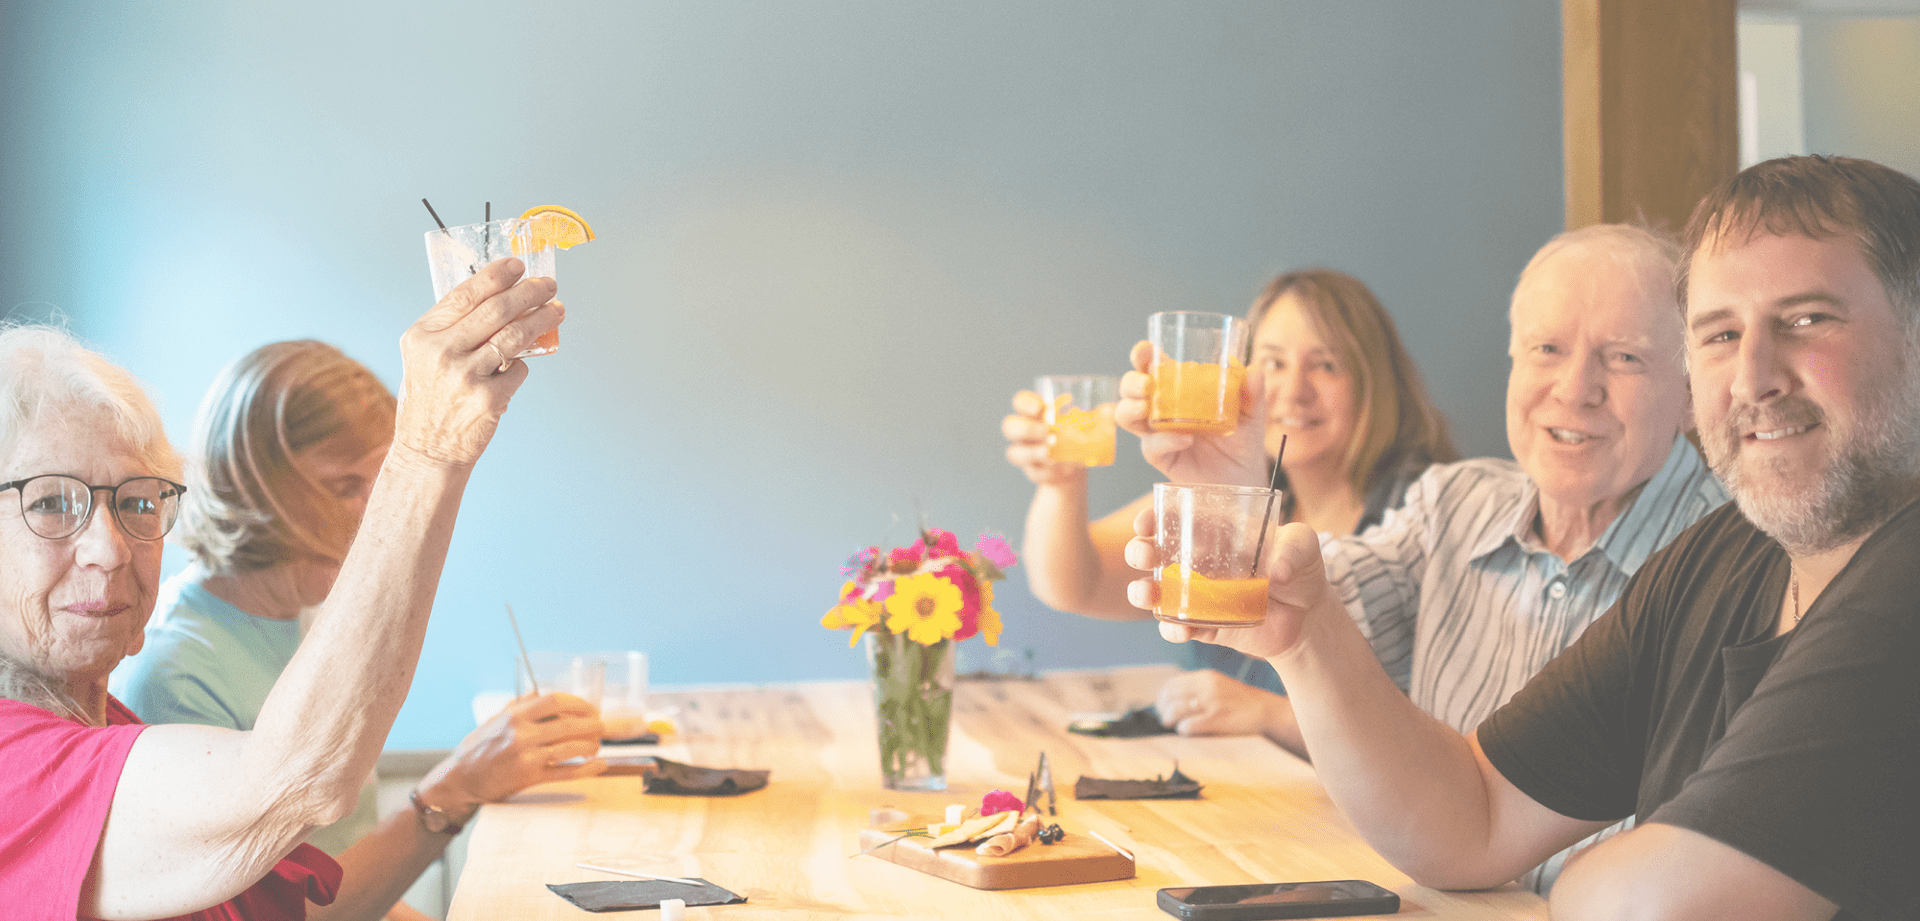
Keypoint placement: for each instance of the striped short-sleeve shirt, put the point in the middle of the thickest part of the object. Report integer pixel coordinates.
(1464, 605)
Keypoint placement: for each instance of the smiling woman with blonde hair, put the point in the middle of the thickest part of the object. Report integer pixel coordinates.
(1359, 427)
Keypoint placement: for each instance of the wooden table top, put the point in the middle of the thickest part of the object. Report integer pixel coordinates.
(1261, 818)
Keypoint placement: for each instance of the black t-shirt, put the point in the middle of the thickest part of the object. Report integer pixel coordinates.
(1678, 706)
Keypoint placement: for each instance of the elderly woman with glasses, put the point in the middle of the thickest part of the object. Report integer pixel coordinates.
(285, 450)
(104, 817)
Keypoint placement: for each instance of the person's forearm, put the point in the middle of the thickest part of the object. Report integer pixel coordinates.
(1281, 727)
(202, 813)
(322, 727)
(1409, 783)
(378, 869)
(1066, 569)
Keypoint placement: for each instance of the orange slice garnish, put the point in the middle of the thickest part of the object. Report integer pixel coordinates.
(558, 226)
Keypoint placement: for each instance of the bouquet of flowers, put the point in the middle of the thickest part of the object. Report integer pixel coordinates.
(913, 604)
(930, 590)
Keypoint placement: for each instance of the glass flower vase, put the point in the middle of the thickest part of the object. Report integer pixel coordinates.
(913, 701)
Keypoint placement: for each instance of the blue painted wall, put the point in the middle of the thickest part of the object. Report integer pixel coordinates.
(834, 238)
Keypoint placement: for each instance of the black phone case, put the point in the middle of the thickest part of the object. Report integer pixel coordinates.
(1383, 905)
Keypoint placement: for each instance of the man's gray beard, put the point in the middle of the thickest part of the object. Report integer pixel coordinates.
(1864, 482)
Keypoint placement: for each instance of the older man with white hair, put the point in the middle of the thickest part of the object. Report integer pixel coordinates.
(1492, 567)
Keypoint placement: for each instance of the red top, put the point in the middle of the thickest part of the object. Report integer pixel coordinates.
(57, 779)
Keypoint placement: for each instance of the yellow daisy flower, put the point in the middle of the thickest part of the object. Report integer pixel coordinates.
(860, 615)
(989, 618)
(925, 607)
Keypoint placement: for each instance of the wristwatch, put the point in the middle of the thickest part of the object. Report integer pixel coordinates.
(433, 818)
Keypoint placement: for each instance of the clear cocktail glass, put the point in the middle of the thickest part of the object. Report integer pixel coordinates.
(1197, 371)
(455, 253)
(1212, 542)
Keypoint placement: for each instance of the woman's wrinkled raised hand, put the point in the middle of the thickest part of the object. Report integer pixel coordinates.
(459, 370)
(1238, 458)
(529, 742)
(1027, 448)
(1297, 585)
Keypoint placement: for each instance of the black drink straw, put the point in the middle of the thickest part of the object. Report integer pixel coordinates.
(1273, 486)
(436, 214)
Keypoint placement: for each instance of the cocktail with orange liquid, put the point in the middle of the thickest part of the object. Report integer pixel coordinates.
(1211, 542)
(1191, 598)
(1197, 371)
(1079, 417)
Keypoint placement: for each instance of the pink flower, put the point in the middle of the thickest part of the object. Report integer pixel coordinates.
(882, 591)
(969, 597)
(1000, 801)
(995, 549)
(942, 542)
(903, 560)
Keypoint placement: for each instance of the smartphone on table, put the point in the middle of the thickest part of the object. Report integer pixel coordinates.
(1260, 901)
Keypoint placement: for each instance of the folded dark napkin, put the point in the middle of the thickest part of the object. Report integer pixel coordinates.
(630, 894)
(1134, 724)
(645, 738)
(1173, 786)
(672, 777)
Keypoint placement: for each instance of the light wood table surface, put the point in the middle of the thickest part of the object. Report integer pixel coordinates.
(1261, 817)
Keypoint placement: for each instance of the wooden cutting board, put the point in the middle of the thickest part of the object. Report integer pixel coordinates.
(1077, 858)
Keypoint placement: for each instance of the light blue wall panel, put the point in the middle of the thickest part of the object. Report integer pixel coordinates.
(834, 238)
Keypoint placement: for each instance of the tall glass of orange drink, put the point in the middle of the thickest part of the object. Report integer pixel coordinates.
(1212, 542)
(1198, 367)
(454, 254)
(1079, 417)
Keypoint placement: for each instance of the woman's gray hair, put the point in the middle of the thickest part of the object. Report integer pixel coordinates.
(44, 370)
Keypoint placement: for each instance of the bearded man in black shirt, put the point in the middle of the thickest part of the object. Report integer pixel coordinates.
(1754, 696)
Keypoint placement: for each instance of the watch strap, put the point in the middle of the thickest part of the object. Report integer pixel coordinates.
(432, 818)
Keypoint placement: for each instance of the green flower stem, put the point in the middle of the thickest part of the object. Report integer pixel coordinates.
(913, 694)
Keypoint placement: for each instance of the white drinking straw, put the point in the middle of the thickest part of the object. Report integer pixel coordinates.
(638, 875)
(1103, 840)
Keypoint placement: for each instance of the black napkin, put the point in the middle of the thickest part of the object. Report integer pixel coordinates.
(672, 777)
(1134, 724)
(629, 894)
(645, 738)
(1173, 786)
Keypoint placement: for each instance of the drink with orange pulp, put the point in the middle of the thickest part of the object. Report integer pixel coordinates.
(1212, 543)
(1198, 369)
(1079, 417)
(1187, 597)
(1084, 437)
(1196, 397)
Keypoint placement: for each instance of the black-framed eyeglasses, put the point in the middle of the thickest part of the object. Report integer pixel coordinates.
(57, 506)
